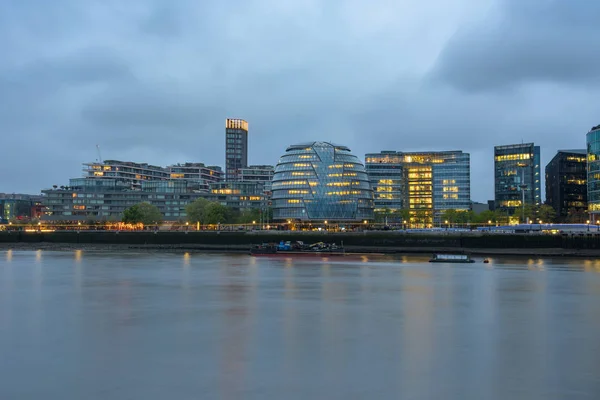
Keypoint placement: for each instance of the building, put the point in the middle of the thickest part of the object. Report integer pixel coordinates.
(15, 206)
(516, 178)
(127, 171)
(386, 176)
(478, 208)
(106, 199)
(593, 173)
(236, 148)
(424, 183)
(321, 181)
(566, 185)
(198, 176)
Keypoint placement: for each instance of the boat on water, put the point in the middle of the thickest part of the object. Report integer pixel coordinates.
(451, 258)
(297, 248)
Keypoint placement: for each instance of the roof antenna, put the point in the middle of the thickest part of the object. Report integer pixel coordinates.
(99, 155)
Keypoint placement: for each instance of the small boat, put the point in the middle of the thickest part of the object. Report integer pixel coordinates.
(451, 258)
(486, 261)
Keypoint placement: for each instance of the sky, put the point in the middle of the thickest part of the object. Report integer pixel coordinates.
(153, 81)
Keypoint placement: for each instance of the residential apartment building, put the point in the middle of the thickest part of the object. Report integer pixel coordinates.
(127, 171)
(516, 178)
(566, 185)
(197, 175)
(236, 148)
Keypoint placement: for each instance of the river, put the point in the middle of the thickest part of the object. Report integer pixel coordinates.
(95, 325)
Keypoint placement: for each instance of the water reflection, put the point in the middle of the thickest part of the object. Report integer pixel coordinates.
(175, 325)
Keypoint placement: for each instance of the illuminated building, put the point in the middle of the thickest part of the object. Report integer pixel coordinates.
(236, 148)
(106, 199)
(593, 173)
(566, 185)
(516, 176)
(386, 176)
(197, 175)
(262, 174)
(19, 206)
(126, 171)
(424, 183)
(320, 181)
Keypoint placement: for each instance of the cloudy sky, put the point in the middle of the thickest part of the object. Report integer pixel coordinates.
(153, 80)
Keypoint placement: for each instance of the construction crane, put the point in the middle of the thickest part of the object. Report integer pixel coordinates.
(99, 155)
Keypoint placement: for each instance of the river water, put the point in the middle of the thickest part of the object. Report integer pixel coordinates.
(85, 325)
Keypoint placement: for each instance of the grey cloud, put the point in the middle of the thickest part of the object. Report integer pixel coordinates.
(528, 42)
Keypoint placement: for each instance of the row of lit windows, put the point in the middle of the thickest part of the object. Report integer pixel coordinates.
(450, 189)
(354, 183)
(450, 196)
(343, 192)
(295, 191)
(420, 200)
(576, 159)
(514, 157)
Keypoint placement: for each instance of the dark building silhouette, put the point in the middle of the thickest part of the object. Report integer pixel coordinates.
(566, 185)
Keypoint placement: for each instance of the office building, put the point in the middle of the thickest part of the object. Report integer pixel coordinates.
(321, 181)
(386, 176)
(593, 173)
(424, 183)
(20, 207)
(516, 178)
(236, 148)
(566, 185)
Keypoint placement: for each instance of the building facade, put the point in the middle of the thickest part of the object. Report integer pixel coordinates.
(106, 199)
(20, 207)
(197, 175)
(566, 185)
(593, 173)
(236, 148)
(424, 183)
(321, 181)
(516, 178)
(385, 171)
(126, 171)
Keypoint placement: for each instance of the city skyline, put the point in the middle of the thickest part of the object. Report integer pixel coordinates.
(154, 83)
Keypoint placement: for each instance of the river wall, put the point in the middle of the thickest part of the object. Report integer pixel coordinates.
(364, 240)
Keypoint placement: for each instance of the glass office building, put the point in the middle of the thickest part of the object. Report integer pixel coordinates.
(593, 173)
(516, 177)
(566, 185)
(321, 181)
(424, 183)
(386, 176)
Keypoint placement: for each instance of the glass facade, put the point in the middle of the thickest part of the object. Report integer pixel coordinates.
(386, 176)
(593, 173)
(425, 183)
(236, 148)
(566, 185)
(321, 181)
(516, 175)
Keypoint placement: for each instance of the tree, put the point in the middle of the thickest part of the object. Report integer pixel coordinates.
(144, 213)
(248, 216)
(546, 213)
(196, 211)
(486, 217)
(215, 213)
(404, 214)
(450, 216)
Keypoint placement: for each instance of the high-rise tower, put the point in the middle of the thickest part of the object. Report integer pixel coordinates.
(236, 147)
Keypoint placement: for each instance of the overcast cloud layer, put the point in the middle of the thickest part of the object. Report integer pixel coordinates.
(153, 81)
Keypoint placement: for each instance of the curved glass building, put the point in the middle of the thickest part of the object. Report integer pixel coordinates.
(593, 173)
(321, 181)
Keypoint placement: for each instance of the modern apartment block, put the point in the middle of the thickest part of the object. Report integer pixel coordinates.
(593, 173)
(566, 185)
(236, 148)
(516, 178)
(20, 207)
(106, 199)
(127, 171)
(197, 175)
(424, 183)
(262, 174)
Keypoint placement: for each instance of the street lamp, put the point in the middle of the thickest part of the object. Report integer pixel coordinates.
(365, 221)
(588, 224)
